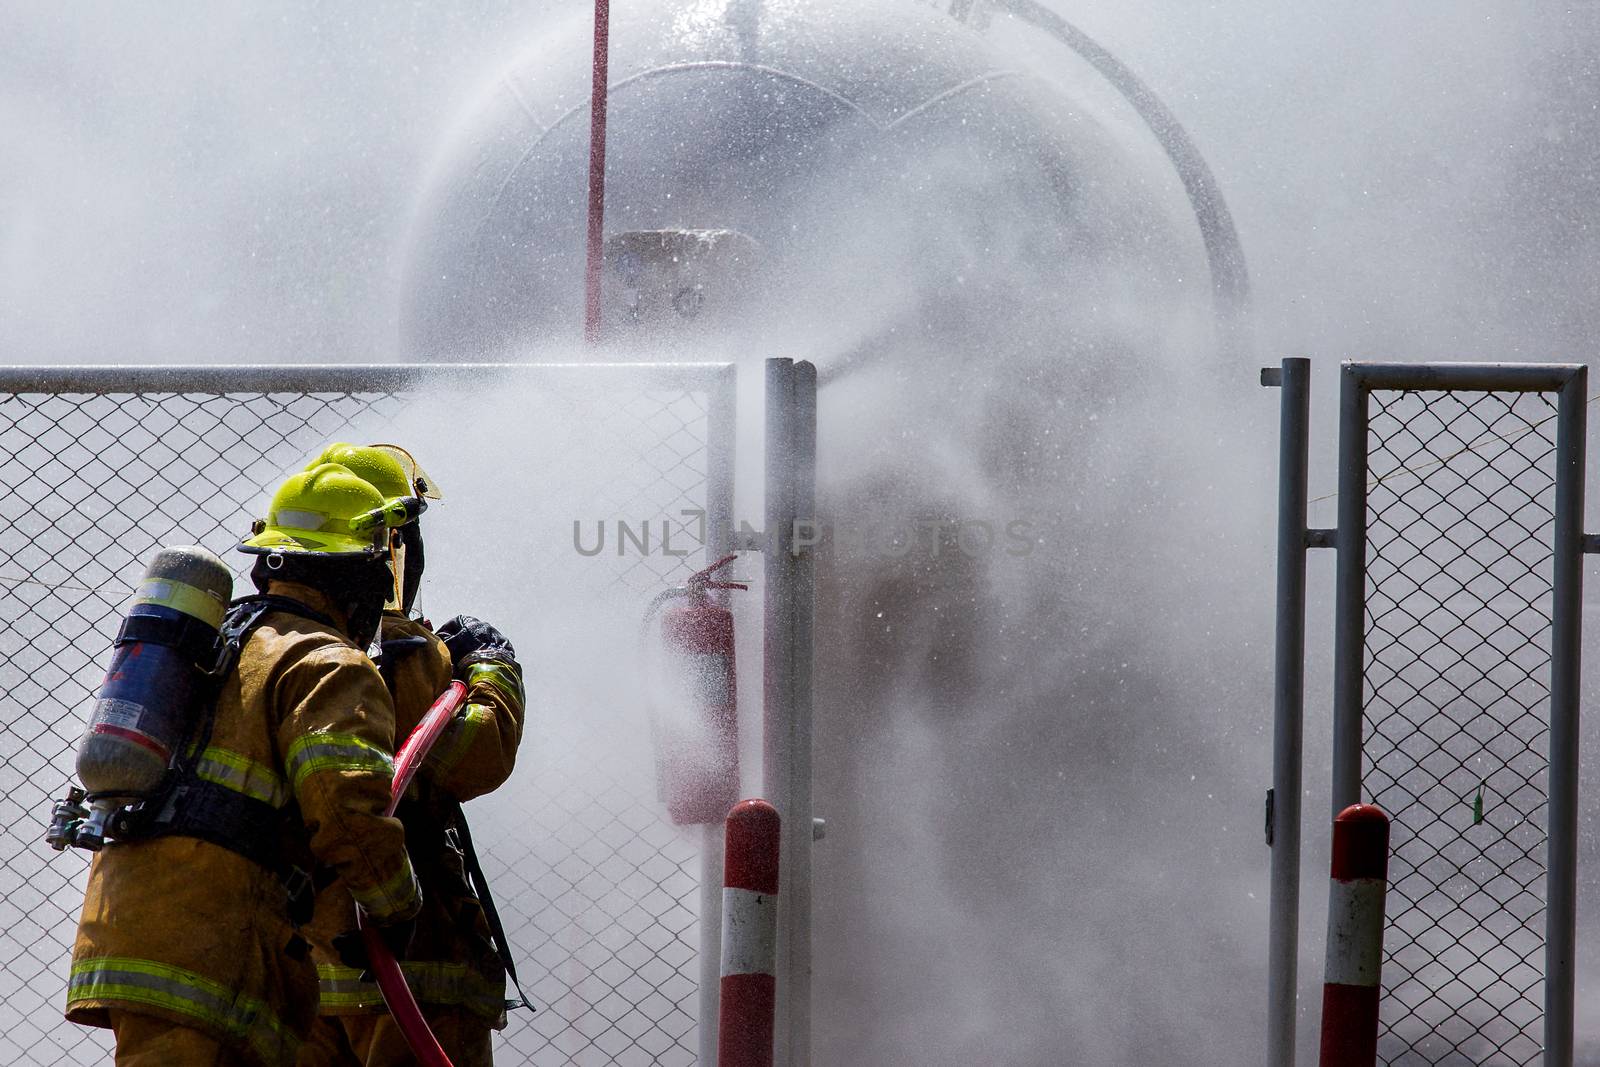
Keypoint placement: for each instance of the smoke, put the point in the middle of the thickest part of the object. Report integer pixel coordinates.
(1042, 770)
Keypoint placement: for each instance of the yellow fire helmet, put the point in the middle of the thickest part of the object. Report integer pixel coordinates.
(390, 468)
(395, 473)
(326, 510)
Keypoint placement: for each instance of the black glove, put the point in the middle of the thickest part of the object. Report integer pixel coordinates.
(466, 637)
(352, 947)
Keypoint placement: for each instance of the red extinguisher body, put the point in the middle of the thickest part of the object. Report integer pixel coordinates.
(697, 729)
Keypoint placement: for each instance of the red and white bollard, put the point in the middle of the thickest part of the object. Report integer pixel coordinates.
(1355, 937)
(749, 936)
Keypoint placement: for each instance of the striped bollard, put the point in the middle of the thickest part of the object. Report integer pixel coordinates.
(1355, 937)
(749, 936)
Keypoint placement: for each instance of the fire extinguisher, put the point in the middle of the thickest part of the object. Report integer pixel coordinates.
(694, 711)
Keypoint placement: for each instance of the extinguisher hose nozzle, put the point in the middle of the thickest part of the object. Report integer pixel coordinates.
(701, 579)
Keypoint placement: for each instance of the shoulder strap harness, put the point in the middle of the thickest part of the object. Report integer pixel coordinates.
(189, 806)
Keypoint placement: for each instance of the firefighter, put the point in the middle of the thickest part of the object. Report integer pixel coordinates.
(189, 946)
(458, 963)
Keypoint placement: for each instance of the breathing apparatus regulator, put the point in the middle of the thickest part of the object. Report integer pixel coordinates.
(694, 716)
(180, 640)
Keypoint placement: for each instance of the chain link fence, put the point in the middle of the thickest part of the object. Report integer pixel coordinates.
(1457, 674)
(600, 894)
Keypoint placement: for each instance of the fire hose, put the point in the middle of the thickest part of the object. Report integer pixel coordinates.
(391, 980)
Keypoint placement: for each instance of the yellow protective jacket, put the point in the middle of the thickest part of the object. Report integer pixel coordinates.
(186, 930)
(452, 961)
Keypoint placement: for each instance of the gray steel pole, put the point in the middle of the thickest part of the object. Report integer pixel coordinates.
(1565, 650)
(786, 762)
(777, 741)
(801, 833)
(336, 377)
(721, 443)
(1283, 937)
(1349, 627)
(1464, 377)
(711, 874)
(721, 386)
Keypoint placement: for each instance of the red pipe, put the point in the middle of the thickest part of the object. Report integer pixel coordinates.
(749, 936)
(1351, 986)
(391, 980)
(597, 169)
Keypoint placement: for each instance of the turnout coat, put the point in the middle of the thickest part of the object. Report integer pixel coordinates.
(452, 962)
(193, 932)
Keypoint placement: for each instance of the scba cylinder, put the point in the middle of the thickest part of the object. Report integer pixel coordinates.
(146, 704)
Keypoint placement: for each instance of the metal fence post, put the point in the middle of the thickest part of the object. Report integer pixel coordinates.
(777, 740)
(786, 762)
(1283, 802)
(1565, 652)
(721, 439)
(1350, 582)
(802, 835)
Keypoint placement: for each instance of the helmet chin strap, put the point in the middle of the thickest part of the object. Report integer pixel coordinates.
(396, 600)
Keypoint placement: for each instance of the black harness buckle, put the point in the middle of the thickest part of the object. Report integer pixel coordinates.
(297, 882)
(302, 891)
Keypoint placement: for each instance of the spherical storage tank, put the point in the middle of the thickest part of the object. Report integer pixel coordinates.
(908, 177)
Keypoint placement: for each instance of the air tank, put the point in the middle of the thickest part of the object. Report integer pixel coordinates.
(146, 706)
